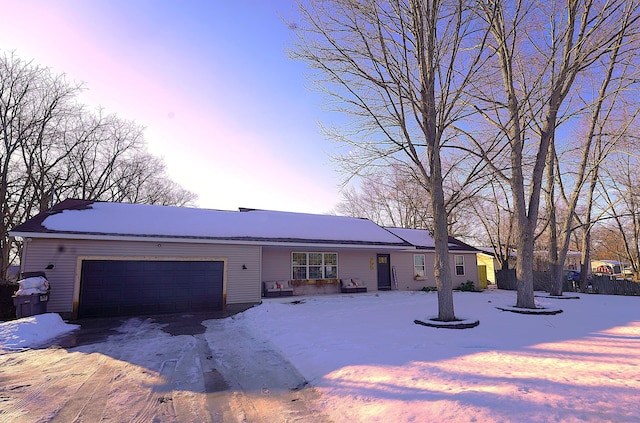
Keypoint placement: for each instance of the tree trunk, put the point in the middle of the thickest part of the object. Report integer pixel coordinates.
(524, 268)
(442, 267)
(585, 260)
(555, 268)
(557, 279)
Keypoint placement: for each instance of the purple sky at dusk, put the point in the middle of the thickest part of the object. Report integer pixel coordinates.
(231, 114)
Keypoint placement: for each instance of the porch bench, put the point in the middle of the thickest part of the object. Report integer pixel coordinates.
(277, 289)
(352, 286)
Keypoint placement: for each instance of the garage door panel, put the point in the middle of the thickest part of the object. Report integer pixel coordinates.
(129, 287)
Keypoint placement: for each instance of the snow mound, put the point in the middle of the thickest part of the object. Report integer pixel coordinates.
(32, 331)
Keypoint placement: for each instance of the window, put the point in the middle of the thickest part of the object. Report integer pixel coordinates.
(418, 265)
(299, 265)
(330, 265)
(459, 265)
(314, 265)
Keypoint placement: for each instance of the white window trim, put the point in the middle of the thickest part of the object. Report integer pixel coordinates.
(322, 266)
(455, 262)
(416, 273)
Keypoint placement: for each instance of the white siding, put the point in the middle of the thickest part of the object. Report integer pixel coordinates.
(241, 285)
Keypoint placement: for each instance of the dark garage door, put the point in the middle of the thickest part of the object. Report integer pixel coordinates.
(121, 288)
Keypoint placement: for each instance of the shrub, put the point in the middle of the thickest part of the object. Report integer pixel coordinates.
(429, 288)
(467, 286)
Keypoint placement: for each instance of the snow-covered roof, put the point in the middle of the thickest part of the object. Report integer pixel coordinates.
(611, 262)
(422, 239)
(570, 253)
(100, 219)
(417, 237)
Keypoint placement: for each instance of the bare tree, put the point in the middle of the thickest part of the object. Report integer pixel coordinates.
(613, 71)
(33, 102)
(541, 47)
(142, 179)
(492, 210)
(389, 197)
(398, 68)
(393, 196)
(53, 147)
(620, 189)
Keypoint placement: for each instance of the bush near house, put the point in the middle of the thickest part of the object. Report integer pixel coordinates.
(467, 286)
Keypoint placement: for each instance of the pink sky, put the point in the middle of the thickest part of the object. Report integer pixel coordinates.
(231, 115)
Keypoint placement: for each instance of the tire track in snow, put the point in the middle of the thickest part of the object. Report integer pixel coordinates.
(158, 406)
(265, 387)
(43, 387)
(88, 403)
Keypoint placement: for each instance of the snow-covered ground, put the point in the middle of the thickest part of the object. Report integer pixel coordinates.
(372, 363)
(32, 331)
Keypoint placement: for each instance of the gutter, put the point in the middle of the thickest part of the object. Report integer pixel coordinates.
(196, 240)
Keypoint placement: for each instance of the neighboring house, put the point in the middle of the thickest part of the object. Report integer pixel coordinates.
(108, 259)
(608, 267)
(487, 265)
(571, 262)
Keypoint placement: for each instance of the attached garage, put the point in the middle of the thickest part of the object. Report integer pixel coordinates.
(117, 259)
(131, 287)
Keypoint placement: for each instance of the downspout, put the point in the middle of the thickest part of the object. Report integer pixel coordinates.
(23, 257)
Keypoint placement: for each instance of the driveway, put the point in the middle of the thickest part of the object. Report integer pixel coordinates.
(178, 368)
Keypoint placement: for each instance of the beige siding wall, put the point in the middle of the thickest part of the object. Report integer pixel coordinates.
(241, 285)
(276, 264)
(470, 269)
(403, 263)
(361, 264)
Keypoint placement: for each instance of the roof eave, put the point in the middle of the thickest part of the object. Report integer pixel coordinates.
(205, 240)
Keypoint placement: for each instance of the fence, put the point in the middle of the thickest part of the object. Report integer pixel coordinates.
(612, 286)
(506, 279)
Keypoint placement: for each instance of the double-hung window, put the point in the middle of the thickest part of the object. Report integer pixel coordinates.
(418, 265)
(314, 265)
(459, 265)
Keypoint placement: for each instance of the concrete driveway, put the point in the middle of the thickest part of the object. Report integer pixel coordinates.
(176, 368)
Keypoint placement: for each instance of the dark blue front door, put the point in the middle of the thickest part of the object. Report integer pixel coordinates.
(384, 272)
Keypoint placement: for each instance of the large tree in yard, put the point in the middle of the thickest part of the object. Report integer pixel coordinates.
(542, 49)
(398, 69)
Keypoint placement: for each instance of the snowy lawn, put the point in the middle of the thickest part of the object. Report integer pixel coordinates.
(372, 363)
(363, 353)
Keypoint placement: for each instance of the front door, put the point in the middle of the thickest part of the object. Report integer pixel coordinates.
(384, 272)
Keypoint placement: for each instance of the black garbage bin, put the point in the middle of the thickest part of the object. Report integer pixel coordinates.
(30, 305)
